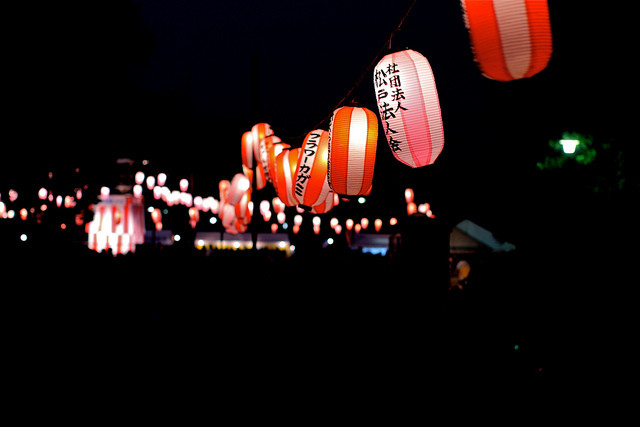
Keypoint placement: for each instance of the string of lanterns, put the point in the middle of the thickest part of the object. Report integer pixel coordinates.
(510, 39)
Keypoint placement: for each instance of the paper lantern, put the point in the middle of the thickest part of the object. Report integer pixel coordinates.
(285, 168)
(510, 39)
(259, 132)
(353, 137)
(240, 184)
(409, 107)
(247, 150)
(311, 183)
(273, 146)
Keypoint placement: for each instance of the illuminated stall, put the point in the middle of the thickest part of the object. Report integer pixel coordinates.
(118, 224)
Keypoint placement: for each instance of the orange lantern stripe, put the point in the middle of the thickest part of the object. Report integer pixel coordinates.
(352, 150)
(311, 186)
(511, 39)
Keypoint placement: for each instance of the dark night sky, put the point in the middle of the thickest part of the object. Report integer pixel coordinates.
(171, 81)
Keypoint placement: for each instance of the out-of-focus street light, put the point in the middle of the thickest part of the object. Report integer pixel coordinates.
(569, 145)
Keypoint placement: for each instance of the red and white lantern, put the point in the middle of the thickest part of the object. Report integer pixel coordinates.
(510, 39)
(353, 136)
(409, 107)
(311, 183)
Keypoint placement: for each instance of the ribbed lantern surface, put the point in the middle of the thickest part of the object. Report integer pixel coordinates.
(409, 107)
(353, 138)
(510, 39)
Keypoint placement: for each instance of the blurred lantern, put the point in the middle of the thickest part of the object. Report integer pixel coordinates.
(364, 222)
(260, 176)
(353, 135)
(409, 107)
(184, 185)
(510, 39)
(104, 192)
(24, 214)
(156, 216)
(240, 184)
(13, 195)
(264, 207)
(357, 228)
(139, 177)
(349, 224)
(278, 205)
(311, 184)
(337, 229)
(259, 132)
(408, 195)
(223, 187)
(393, 221)
(69, 202)
(43, 193)
(411, 208)
(58, 200)
(281, 217)
(78, 194)
(333, 222)
(247, 150)
(244, 208)
(151, 182)
(377, 224)
(271, 147)
(285, 169)
(297, 220)
(194, 217)
(137, 191)
(162, 179)
(274, 228)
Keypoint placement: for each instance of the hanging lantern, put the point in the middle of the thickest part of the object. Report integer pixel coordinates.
(139, 177)
(377, 224)
(271, 146)
(510, 39)
(259, 132)
(285, 168)
(409, 107)
(311, 185)
(247, 150)
(239, 186)
(353, 136)
(408, 195)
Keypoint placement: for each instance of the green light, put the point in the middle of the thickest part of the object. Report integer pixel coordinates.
(569, 145)
(361, 200)
(515, 347)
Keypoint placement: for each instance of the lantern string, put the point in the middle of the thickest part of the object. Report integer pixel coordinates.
(347, 98)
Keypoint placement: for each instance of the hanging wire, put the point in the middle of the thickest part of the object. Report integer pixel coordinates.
(365, 72)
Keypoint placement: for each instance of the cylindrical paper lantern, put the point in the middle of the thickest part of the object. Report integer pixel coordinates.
(273, 146)
(285, 168)
(510, 39)
(247, 149)
(311, 184)
(409, 107)
(259, 132)
(240, 184)
(353, 136)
